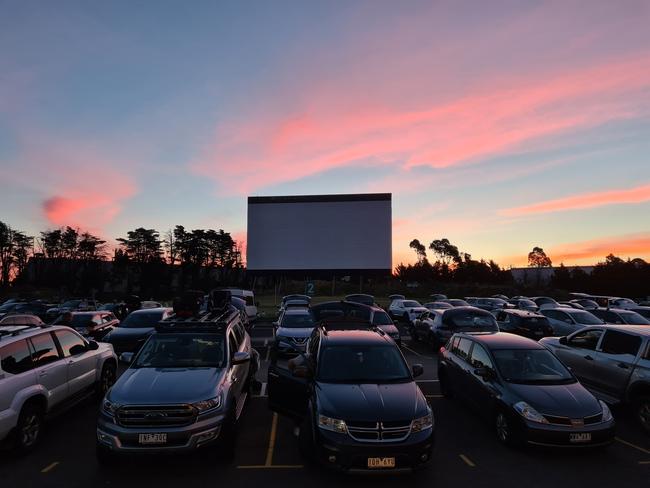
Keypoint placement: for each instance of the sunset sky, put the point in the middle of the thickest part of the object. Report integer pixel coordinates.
(500, 125)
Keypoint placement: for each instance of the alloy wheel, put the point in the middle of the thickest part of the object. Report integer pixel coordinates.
(30, 429)
(503, 428)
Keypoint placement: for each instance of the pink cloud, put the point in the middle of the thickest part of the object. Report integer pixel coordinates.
(518, 115)
(638, 194)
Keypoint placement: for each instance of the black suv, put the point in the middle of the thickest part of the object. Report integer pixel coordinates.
(524, 323)
(356, 400)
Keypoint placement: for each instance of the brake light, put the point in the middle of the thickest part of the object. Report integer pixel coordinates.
(442, 350)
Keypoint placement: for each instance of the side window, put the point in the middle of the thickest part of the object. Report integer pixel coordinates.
(618, 343)
(463, 349)
(45, 350)
(239, 333)
(15, 358)
(587, 339)
(232, 342)
(312, 347)
(480, 358)
(250, 301)
(454, 345)
(71, 344)
(551, 314)
(564, 317)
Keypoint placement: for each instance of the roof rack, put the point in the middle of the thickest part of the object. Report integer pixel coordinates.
(17, 329)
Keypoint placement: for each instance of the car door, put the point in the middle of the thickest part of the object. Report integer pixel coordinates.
(480, 389)
(579, 353)
(288, 394)
(81, 361)
(50, 368)
(614, 361)
(237, 371)
(459, 366)
(16, 371)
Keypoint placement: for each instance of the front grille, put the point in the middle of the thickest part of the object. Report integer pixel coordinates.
(379, 431)
(156, 415)
(299, 341)
(593, 419)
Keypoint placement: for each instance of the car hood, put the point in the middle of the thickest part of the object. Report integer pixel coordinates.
(154, 386)
(291, 332)
(119, 334)
(573, 401)
(369, 402)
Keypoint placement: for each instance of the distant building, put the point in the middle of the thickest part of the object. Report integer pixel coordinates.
(541, 276)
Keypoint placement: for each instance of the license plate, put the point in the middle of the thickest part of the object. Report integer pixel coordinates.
(378, 463)
(153, 438)
(582, 437)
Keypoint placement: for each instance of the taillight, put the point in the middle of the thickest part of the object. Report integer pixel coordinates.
(442, 350)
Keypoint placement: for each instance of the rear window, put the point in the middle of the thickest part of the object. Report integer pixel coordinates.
(381, 318)
(479, 319)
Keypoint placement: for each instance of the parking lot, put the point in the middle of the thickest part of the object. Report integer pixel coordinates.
(466, 451)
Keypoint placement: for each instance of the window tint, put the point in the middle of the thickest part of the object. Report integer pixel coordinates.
(480, 358)
(312, 347)
(587, 339)
(239, 333)
(15, 358)
(45, 350)
(463, 348)
(232, 342)
(454, 345)
(250, 301)
(381, 318)
(70, 343)
(608, 316)
(616, 342)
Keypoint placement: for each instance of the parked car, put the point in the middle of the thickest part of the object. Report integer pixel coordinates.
(43, 370)
(249, 297)
(622, 303)
(586, 303)
(438, 305)
(520, 387)
(612, 361)
(396, 297)
(302, 298)
(455, 302)
(501, 296)
(620, 316)
(119, 309)
(295, 304)
(135, 329)
(406, 310)
(76, 305)
(565, 320)
(32, 308)
(361, 298)
(524, 323)
(571, 304)
(150, 304)
(291, 331)
(545, 302)
(7, 308)
(436, 327)
(240, 305)
(437, 296)
(357, 402)
(491, 304)
(20, 319)
(524, 304)
(94, 325)
(643, 311)
(184, 390)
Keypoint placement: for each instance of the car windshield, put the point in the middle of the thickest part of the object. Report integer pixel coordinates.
(411, 303)
(182, 351)
(71, 304)
(531, 367)
(297, 321)
(470, 318)
(381, 318)
(634, 318)
(141, 320)
(586, 318)
(362, 364)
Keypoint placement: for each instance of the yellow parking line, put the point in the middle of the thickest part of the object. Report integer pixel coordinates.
(269, 451)
(467, 460)
(274, 466)
(634, 446)
(644, 462)
(50, 467)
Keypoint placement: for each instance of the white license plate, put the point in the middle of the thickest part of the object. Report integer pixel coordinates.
(153, 438)
(378, 463)
(582, 437)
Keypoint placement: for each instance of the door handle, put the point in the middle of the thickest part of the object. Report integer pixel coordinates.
(589, 358)
(43, 373)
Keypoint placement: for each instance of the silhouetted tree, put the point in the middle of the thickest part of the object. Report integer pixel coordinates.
(537, 258)
(446, 251)
(420, 249)
(142, 245)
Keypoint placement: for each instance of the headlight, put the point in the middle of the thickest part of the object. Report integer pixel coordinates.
(209, 404)
(423, 423)
(529, 413)
(110, 408)
(607, 413)
(335, 425)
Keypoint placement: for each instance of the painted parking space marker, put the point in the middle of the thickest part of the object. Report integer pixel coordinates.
(633, 446)
(271, 448)
(416, 353)
(50, 467)
(268, 353)
(467, 460)
(273, 466)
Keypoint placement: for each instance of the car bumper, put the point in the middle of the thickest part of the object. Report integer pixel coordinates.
(342, 453)
(600, 434)
(120, 439)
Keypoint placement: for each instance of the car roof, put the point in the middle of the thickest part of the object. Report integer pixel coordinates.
(354, 337)
(297, 311)
(521, 313)
(502, 340)
(464, 308)
(18, 332)
(642, 330)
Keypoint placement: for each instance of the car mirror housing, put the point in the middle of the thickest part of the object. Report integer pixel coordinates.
(126, 357)
(418, 370)
(563, 341)
(483, 372)
(240, 358)
(93, 346)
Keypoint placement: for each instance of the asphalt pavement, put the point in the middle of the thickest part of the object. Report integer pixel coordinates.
(267, 453)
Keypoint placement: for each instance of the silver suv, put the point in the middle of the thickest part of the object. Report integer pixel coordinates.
(612, 361)
(46, 368)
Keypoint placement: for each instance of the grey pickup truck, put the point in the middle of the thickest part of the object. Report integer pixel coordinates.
(612, 361)
(184, 390)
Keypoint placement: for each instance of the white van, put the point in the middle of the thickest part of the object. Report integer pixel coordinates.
(249, 297)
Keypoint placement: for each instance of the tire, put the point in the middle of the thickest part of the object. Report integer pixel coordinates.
(642, 412)
(105, 457)
(445, 389)
(29, 427)
(106, 380)
(505, 429)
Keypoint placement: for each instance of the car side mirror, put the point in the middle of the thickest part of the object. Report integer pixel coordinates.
(240, 358)
(126, 357)
(483, 372)
(564, 341)
(93, 346)
(418, 370)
